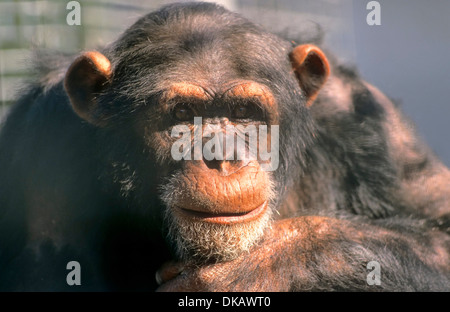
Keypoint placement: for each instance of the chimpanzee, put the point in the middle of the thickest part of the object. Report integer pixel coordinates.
(87, 171)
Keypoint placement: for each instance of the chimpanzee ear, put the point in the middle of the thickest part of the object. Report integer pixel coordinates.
(88, 75)
(311, 68)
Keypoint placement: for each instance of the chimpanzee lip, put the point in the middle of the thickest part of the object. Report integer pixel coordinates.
(225, 218)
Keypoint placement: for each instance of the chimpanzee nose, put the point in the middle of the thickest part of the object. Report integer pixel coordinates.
(224, 167)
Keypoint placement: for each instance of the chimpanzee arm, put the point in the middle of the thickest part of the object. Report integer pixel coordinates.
(320, 253)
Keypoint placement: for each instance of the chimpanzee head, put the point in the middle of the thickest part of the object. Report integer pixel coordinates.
(206, 111)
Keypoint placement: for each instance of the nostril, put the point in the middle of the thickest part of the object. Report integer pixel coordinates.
(224, 167)
(213, 164)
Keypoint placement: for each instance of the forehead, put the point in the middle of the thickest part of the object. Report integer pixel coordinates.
(236, 90)
(202, 51)
(219, 65)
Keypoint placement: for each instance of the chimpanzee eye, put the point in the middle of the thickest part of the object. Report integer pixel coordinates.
(182, 112)
(242, 111)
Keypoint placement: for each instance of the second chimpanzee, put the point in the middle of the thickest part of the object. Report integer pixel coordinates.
(88, 173)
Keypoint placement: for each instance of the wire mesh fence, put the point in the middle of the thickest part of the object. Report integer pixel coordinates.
(26, 25)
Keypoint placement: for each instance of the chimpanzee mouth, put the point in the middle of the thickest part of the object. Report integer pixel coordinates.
(225, 217)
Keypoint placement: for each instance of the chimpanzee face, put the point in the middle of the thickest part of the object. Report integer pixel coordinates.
(219, 132)
(211, 103)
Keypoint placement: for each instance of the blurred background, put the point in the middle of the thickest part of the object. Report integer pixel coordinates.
(405, 56)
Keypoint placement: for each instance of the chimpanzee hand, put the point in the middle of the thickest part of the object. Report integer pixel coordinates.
(319, 253)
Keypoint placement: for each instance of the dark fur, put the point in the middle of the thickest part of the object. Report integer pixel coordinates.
(94, 191)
